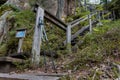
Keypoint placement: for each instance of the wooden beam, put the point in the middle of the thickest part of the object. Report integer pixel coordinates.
(56, 23)
(74, 23)
(55, 20)
(77, 21)
(10, 59)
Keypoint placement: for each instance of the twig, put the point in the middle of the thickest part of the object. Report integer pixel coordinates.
(93, 78)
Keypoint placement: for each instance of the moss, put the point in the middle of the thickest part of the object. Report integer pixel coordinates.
(3, 50)
(98, 46)
(21, 20)
(7, 7)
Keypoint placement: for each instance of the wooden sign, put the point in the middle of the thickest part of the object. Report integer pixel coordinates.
(21, 33)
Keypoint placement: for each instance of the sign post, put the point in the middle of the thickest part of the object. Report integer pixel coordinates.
(20, 34)
(37, 37)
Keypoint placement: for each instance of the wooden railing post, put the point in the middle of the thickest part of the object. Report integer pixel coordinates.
(114, 17)
(20, 45)
(103, 15)
(68, 38)
(37, 38)
(90, 23)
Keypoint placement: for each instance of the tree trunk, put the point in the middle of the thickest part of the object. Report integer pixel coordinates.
(60, 8)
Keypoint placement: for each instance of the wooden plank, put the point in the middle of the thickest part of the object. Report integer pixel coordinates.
(27, 77)
(78, 22)
(81, 30)
(55, 20)
(10, 59)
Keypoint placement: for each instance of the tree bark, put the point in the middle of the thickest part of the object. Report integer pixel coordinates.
(60, 8)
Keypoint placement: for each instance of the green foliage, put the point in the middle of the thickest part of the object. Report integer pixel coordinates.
(80, 12)
(3, 49)
(55, 35)
(7, 7)
(22, 66)
(114, 5)
(99, 7)
(67, 77)
(22, 19)
(98, 46)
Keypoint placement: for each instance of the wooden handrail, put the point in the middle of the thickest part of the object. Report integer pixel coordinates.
(80, 31)
(77, 21)
(55, 20)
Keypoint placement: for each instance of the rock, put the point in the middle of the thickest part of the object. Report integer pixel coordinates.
(3, 25)
(26, 6)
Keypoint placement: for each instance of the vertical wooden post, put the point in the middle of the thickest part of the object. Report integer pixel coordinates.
(90, 23)
(114, 17)
(20, 45)
(99, 16)
(69, 37)
(103, 15)
(37, 38)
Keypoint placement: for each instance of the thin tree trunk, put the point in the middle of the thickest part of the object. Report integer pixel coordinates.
(60, 8)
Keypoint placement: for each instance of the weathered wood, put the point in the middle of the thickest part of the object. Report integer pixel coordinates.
(81, 31)
(90, 23)
(10, 59)
(77, 21)
(22, 55)
(37, 38)
(55, 20)
(114, 17)
(74, 23)
(34, 76)
(68, 38)
(20, 45)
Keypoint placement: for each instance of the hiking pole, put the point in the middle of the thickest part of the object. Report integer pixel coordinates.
(46, 39)
(45, 63)
(52, 59)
